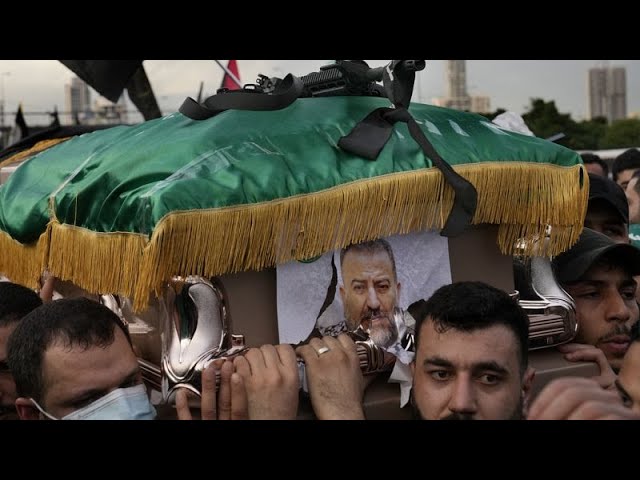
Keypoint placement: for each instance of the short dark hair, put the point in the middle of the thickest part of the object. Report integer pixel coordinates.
(470, 306)
(74, 321)
(15, 302)
(588, 158)
(628, 159)
(371, 247)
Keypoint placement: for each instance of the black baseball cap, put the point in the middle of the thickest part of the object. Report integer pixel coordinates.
(571, 265)
(609, 191)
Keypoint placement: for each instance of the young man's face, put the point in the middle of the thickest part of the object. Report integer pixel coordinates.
(603, 218)
(628, 382)
(75, 377)
(370, 293)
(606, 309)
(469, 375)
(625, 176)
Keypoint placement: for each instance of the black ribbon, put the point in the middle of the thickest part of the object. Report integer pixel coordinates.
(370, 136)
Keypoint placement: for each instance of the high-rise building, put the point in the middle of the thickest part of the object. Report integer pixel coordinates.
(607, 91)
(457, 96)
(77, 99)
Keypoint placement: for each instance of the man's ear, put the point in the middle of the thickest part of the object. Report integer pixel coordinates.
(26, 409)
(343, 292)
(398, 292)
(527, 383)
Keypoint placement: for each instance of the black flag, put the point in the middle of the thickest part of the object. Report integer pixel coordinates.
(107, 77)
(20, 123)
(110, 77)
(56, 121)
(141, 94)
(200, 92)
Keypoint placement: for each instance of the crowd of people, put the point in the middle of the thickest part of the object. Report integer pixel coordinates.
(73, 358)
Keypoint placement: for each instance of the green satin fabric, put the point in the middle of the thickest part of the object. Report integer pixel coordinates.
(126, 178)
(634, 234)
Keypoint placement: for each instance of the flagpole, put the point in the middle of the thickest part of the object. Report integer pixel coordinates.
(230, 73)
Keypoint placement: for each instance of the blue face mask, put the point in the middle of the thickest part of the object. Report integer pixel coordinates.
(131, 403)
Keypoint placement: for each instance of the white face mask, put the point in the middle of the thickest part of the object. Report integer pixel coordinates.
(131, 403)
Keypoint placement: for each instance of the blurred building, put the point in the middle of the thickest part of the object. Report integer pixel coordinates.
(480, 104)
(457, 96)
(78, 106)
(77, 99)
(607, 92)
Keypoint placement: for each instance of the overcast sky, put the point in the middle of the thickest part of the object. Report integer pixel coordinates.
(39, 84)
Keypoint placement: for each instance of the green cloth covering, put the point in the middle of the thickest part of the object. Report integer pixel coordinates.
(127, 178)
(634, 234)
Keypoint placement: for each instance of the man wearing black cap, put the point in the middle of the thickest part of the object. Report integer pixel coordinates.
(598, 273)
(608, 210)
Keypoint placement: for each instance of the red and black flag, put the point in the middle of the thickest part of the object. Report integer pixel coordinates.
(231, 71)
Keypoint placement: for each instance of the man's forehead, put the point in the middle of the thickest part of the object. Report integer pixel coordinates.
(626, 174)
(377, 262)
(605, 273)
(67, 365)
(479, 345)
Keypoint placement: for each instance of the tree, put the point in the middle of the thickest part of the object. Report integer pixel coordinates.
(588, 134)
(622, 134)
(544, 120)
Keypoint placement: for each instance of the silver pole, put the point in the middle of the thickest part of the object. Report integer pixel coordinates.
(228, 72)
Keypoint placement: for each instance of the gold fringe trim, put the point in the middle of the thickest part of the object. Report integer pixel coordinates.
(37, 148)
(523, 198)
(23, 264)
(98, 262)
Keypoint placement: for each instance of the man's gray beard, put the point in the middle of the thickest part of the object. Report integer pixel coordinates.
(382, 336)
